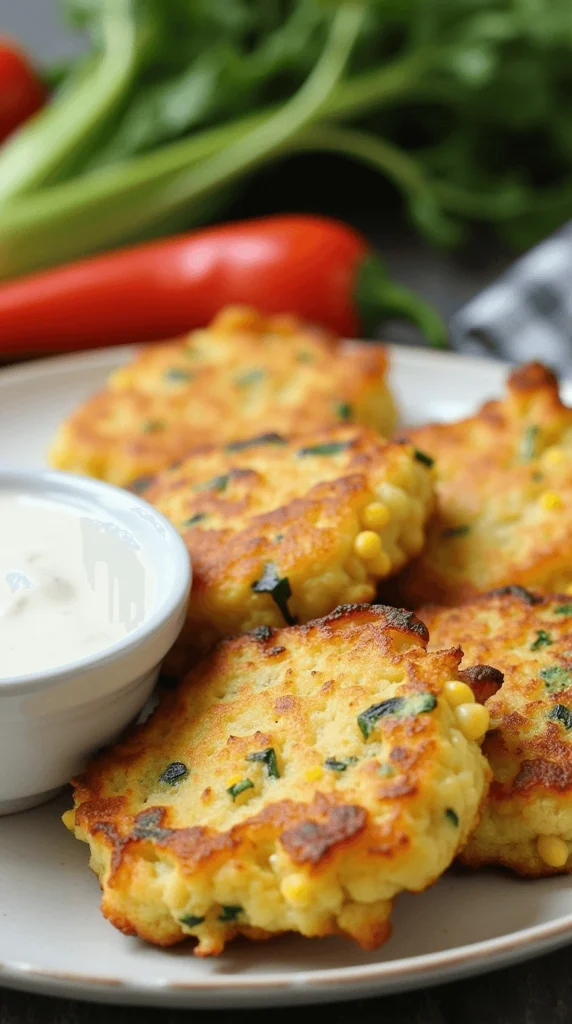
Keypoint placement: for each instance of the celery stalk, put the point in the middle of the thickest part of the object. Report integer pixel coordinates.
(42, 150)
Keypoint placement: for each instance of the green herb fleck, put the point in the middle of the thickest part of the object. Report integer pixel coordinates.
(279, 589)
(456, 531)
(563, 609)
(191, 921)
(239, 787)
(452, 816)
(278, 537)
(303, 356)
(339, 765)
(153, 426)
(537, 477)
(197, 518)
(177, 374)
(269, 760)
(141, 484)
(254, 442)
(173, 773)
(250, 377)
(560, 713)
(387, 771)
(556, 678)
(344, 411)
(329, 448)
(217, 483)
(528, 445)
(229, 913)
(423, 457)
(419, 703)
(543, 639)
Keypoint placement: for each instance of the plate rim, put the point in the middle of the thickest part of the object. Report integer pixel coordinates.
(303, 986)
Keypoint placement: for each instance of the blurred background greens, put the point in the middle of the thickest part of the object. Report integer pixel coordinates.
(174, 107)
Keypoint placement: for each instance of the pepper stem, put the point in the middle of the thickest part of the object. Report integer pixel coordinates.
(378, 298)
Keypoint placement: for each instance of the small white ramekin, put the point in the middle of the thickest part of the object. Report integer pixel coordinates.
(52, 721)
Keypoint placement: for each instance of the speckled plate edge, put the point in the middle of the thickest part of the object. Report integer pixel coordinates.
(313, 986)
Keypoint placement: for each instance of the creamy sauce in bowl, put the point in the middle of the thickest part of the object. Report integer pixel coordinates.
(71, 584)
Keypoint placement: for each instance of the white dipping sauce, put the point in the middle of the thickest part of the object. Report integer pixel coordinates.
(71, 585)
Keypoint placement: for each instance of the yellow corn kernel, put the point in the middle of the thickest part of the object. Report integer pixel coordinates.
(551, 501)
(232, 781)
(367, 544)
(568, 589)
(555, 456)
(473, 720)
(375, 516)
(68, 818)
(380, 565)
(457, 693)
(296, 890)
(314, 774)
(552, 850)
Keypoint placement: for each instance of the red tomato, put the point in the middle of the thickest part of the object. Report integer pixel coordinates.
(21, 90)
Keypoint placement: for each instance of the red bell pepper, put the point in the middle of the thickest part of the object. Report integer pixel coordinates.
(318, 269)
(21, 90)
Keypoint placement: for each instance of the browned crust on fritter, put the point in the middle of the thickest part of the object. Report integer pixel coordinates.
(489, 483)
(526, 750)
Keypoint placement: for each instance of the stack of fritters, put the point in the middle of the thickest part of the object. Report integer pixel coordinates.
(300, 777)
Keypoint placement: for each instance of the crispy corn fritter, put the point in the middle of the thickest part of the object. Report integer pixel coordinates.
(297, 780)
(243, 375)
(282, 531)
(527, 821)
(504, 497)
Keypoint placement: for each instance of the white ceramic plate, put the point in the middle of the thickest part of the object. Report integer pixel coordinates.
(52, 936)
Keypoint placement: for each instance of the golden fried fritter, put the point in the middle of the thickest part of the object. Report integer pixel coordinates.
(296, 781)
(527, 821)
(504, 497)
(283, 531)
(243, 375)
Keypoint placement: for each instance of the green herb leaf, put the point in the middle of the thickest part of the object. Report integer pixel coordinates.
(191, 921)
(269, 760)
(197, 518)
(556, 678)
(153, 426)
(178, 375)
(452, 816)
(563, 609)
(141, 484)
(560, 713)
(387, 771)
(424, 458)
(339, 764)
(344, 411)
(279, 589)
(244, 380)
(304, 357)
(240, 787)
(543, 639)
(255, 442)
(528, 445)
(456, 531)
(328, 448)
(174, 773)
(229, 913)
(419, 703)
(217, 483)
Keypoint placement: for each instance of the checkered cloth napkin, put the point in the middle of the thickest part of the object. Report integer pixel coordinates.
(527, 313)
